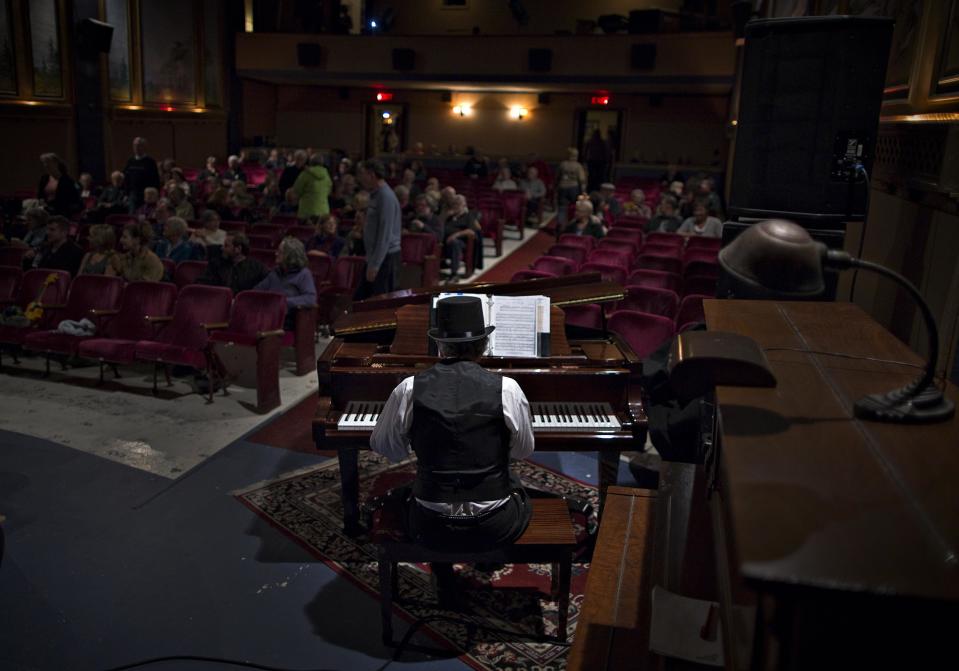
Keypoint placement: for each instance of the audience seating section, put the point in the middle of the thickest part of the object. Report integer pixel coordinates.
(643, 332)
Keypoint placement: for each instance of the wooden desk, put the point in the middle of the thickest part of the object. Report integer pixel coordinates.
(844, 534)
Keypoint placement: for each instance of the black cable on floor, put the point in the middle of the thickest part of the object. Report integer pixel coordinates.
(216, 660)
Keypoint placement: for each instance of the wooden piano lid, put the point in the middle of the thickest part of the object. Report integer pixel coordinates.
(413, 321)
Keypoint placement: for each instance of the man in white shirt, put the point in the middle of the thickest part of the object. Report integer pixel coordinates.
(464, 424)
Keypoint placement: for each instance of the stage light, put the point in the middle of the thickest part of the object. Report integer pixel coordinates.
(373, 25)
(518, 113)
(386, 115)
(463, 110)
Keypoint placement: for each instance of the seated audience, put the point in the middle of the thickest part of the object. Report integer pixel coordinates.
(174, 243)
(312, 189)
(292, 171)
(113, 199)
(403, 198)
(433, 193)
(58, 252)
(637, 205)
(218, 202)
(687, 202)
(210, 170)
(601, 209)
(666, 219)
(147, 211)
(291, 277)
(102, 257)
(701, 223)
(57, 190)
(460, 225)
(137, 263)
(504, 180)
(88, 192)
(677, 187)
(344, 191)
(535, 192)
(423, 219)
(36, 235)
(608, 192)
(270, 196)
(273, 161)
(326, 242)
(354, 239)
(209, 234)
(289, 204)
(182, 207)
(706, 193)
(570, 184)
(475, 167)
(239, 198)
(409, 181)
(419, 172)
(231, 267)
(585, 222)
(233, 172)
(163, 212)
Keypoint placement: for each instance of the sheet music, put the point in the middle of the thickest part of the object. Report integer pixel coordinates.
(515, 319)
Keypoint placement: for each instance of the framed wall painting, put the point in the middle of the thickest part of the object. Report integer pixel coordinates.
(45, 49)
(168, 51)
(118, 15)
(8, 61)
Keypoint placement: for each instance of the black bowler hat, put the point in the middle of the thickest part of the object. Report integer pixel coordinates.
(459, 319)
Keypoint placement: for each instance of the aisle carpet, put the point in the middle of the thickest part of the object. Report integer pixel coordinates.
(534, 247)
(293, 430)
(509, 611)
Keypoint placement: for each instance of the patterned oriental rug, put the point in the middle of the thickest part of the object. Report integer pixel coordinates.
(508, 613)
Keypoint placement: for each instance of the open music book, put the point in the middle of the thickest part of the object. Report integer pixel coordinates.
(522, 323)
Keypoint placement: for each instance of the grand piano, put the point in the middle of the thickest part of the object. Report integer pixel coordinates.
(584, 397)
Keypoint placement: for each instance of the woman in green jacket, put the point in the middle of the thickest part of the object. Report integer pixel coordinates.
(312, 187)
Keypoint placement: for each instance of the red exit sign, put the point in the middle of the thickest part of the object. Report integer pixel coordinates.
(384, 97)
(599, 100)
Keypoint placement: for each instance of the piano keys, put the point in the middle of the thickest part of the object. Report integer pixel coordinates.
(586, 397)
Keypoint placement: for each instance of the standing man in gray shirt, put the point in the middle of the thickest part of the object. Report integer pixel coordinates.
(381, 232)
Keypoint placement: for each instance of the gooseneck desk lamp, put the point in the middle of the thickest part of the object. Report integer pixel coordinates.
(779, 259)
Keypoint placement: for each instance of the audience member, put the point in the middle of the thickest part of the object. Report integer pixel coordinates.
(423, 220)
(666, 219)
(58, 252)
(701, 223)
(88, 191)
(572, 181)
(637, 205)
(182, 207)
(671, 175)
(289, 204)
(327, 241)
(36, 235)
(234, 171)
(598, 157)
(210, 233)
(312, 189)
(113, 199)
(292, 278)
(419, 172)
(585, 222)
(174, 243)
(210, 170)
(709, 197)
(218, 202)
(137, 263)
(291, 172)
(239, 198)
(102, 257)
(231, 267)
(608, 191)
(381, 232)
(163, 212)
(273, 161)
(676, 188)
(535, 192)
(344, 191)
(166, 168)
(601, 209)
(504, 180)
(459, 226)
(178, 180)
(409, 181)
(433, 193)
(141, 172)
(57, 190)
(270, 196)
(475, 167)
(147, 210)
(403, 198)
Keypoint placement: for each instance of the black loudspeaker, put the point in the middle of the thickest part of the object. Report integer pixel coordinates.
(540, 60)
(808, 115)
(447, 96)
(404, 59)
(543, 98)
(309, 54)
(94, 37)
(642, 56)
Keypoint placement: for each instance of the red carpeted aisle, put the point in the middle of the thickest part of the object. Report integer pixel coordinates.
(293, 430)
(520, 259)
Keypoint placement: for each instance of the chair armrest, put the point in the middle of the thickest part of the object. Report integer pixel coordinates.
(215, 325)
(268, 334)
(97, 312)
(160, 319)
(312, 306)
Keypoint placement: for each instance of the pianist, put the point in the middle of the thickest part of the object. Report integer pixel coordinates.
(464, 424)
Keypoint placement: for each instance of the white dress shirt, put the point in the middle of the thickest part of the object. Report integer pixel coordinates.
(391, 437)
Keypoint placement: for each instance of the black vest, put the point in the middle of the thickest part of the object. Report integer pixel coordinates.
(459, 434)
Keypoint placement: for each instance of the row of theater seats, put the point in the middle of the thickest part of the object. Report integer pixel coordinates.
(157, 322)
(666, 276)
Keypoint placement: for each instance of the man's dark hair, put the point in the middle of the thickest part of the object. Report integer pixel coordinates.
(473, 349)
(375, 166)
(60, 222)
(208, 215)
(240, 240)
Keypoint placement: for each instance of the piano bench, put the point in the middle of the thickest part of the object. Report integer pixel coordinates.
(549, 539)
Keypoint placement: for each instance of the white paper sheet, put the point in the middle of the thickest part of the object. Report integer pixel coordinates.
(515, 320)
(678, 625)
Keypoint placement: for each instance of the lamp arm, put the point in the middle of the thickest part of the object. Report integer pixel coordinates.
(842, 261)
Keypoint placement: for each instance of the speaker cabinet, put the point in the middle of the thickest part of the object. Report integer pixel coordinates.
(540, 60)
(94, 37)
(404, 59)
(309, 54)
(642, 56)
(808, 116)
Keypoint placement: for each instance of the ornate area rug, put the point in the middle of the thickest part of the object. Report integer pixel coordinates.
(508, 612)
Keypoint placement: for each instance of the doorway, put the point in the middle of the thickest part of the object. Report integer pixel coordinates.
(385, 129)
(598, 138)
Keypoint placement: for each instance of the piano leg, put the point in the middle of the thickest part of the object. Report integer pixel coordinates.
(608, 473)
(350, 490)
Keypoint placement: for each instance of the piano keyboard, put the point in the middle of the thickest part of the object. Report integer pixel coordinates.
(362, 416)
